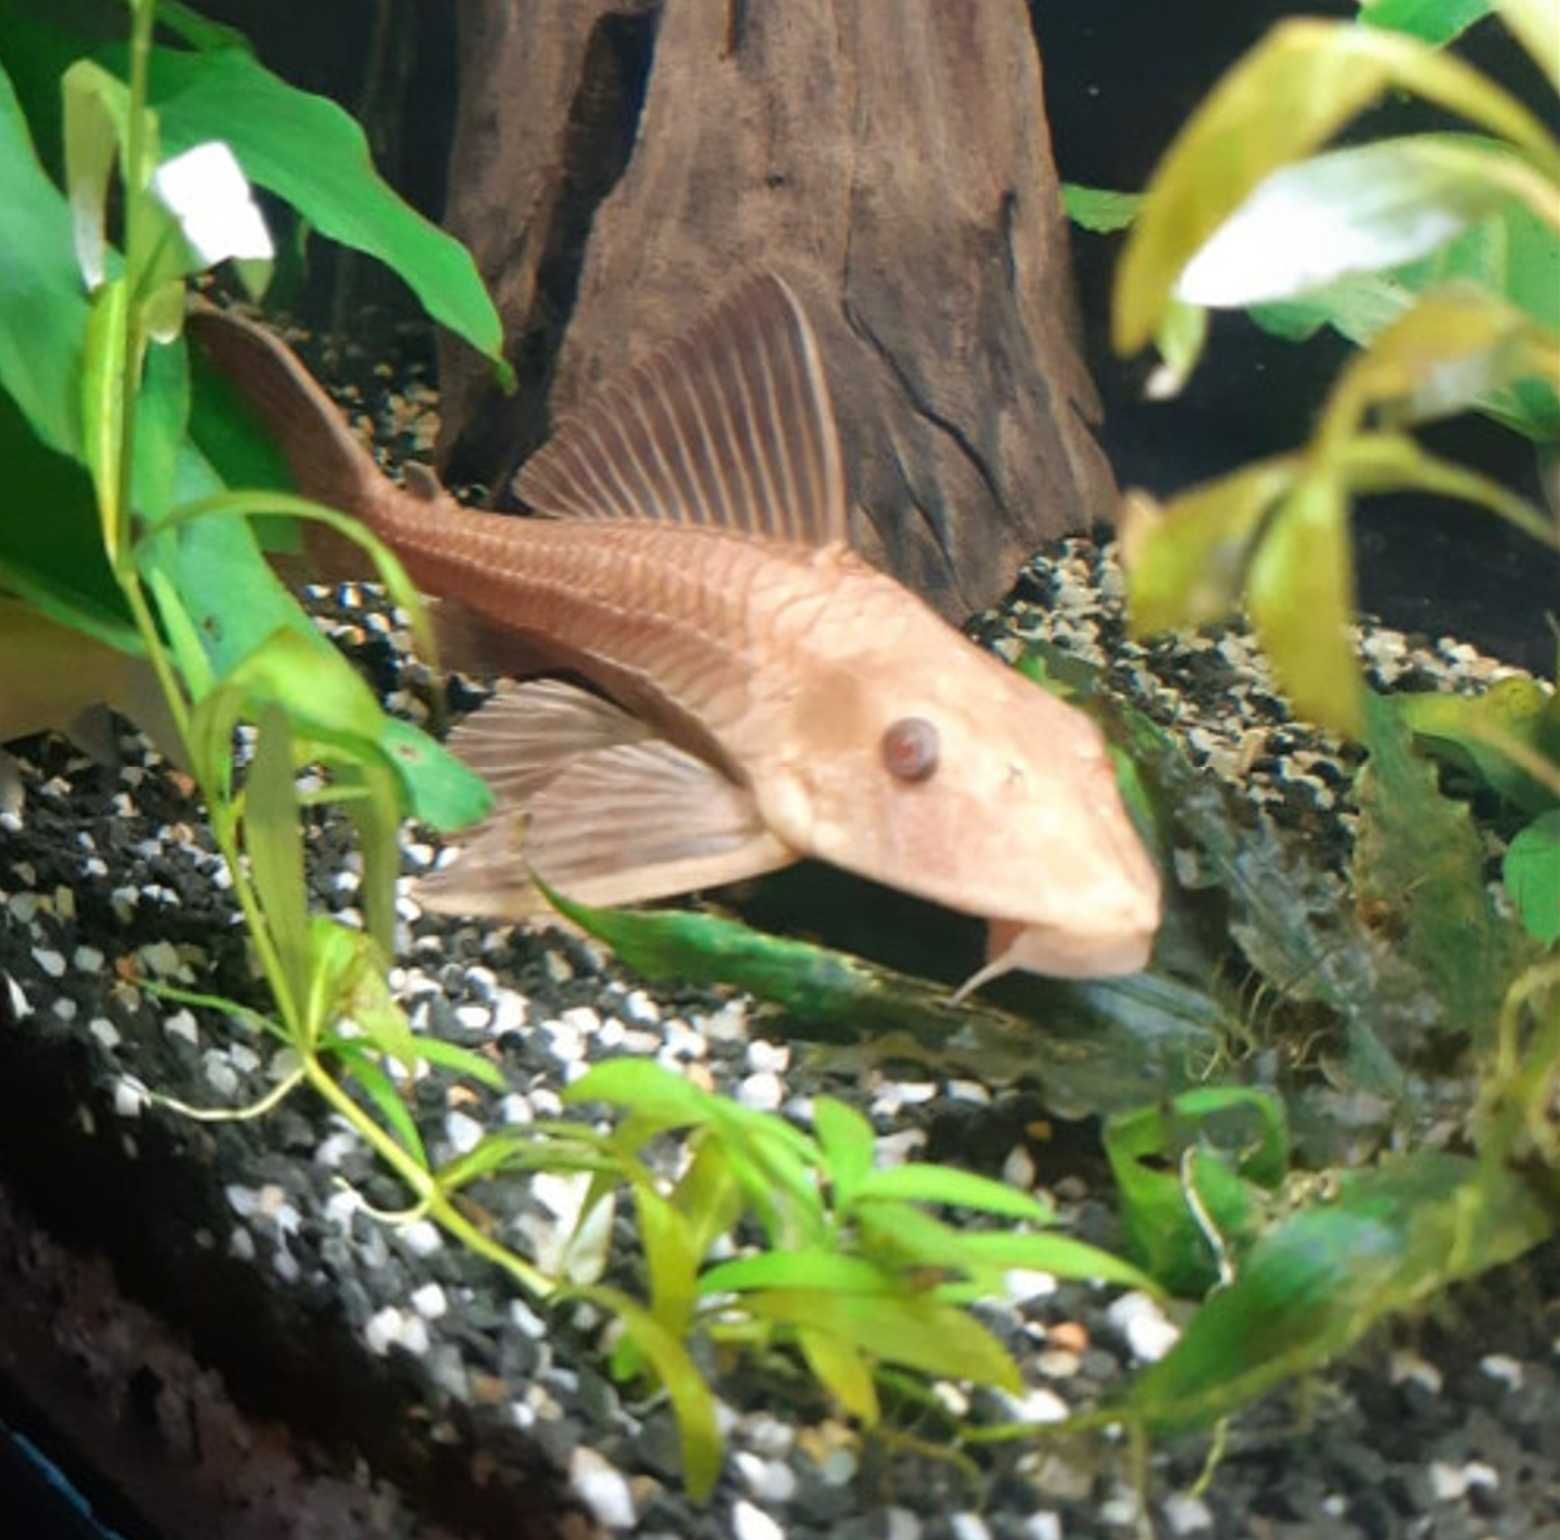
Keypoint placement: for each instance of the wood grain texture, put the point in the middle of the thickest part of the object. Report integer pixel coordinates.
(889, 157)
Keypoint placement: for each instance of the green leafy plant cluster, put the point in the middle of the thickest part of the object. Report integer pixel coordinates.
(147, 587)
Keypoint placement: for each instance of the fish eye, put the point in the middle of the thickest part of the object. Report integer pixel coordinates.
(910, 749)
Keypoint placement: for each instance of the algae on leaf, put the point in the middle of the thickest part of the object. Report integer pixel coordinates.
(1419, 863)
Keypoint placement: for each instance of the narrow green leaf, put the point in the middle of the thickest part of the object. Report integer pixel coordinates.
(1301, 596)
(103, 404)
(842, 1371)
(846, 1139)
(692, 1401)
(461, 1061)
(915, 1330)
(671, 1260)
(273, 839)
(1531, 872)
(921, 1182)
(810, 1267)
(1186, 563)
(1537, 24)
(97, 130)
(381, 1092)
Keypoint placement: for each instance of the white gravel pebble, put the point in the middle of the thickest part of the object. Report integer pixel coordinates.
(763, 1092)
(510, 1010)
(603, 1488)
(1018, 1170)
(463, 1132)
(1502, 1367)
(130, 1096)
(1406, 1365)
(1140, 1320)
(430, 1301)
(474, 1018)
(968, 1526)
(762, 1055)
(52, 962)
(182, 1024)
(421, 1237)
(770, 1481)
(1027, 1283)
(105, 1032)
(1186, 1514)
(750, 1523)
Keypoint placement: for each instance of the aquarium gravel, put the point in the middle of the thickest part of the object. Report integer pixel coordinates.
(1445, 1427)
(416, 1373)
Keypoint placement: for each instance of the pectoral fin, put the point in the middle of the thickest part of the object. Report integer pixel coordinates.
(620, 825)
(526, 733)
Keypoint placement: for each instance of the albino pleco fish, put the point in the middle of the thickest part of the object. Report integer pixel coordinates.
(758, 692)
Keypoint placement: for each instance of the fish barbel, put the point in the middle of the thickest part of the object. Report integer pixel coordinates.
(756, 692)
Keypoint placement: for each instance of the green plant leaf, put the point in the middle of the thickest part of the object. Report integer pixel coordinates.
(1531, 873)
(1286, 97)
(1187, 562)
(842, 1371)
(273, 838)
(692, 1401)
(1320, 1279)
(382, 1094)
(809, 1267)
(912, 1329)
(921, 1182)
(1452, 348)
(1227, 1145)
(1359, 209)
(103, 403)
(1454, 728)
(97, 131)
(461, 1061)
(1419, 862)
(847, 1142)
(671, 1258)
(1436, 22)
(1300, 593)
(307, 150)
(1098, 208)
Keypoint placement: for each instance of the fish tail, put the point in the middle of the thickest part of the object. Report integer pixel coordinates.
(327, 461)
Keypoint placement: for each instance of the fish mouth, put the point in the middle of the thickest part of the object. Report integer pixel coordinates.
(1060, 953)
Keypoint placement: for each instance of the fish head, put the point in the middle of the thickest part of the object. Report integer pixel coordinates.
(960, 781)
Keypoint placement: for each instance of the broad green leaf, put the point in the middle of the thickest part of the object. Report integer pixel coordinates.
(1314, 1284)
(1531, 872)
(1451, 348)
(1419, 861)
(1285, 98)
(1300, 593)
(1435, 22)
(308, 151)
(273, 839)
(1455, 728)
(692, 1401)
(842, 1371)
(847, 1141)
(162, 413)
(921, 1182)
(915, 1330)
(196, 30)
(1187, 562)
(1098, 208)
(1359, 209)
(708, 1194)
(812, 1267)
(97, 132)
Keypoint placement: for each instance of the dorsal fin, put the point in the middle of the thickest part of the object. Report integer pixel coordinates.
(730, 426)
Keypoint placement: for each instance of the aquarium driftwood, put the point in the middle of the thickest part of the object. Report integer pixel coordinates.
(891, 159)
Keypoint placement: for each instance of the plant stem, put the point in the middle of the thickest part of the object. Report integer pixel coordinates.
(431, 1197)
